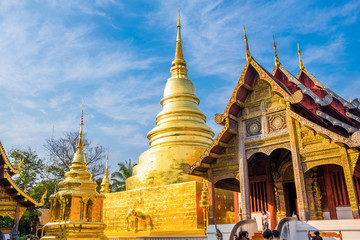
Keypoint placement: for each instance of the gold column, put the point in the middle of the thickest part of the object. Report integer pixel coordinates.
(298, 170)
(240, 153)
(350, 184)
(204, 202)
(280, 200)
(309, 180)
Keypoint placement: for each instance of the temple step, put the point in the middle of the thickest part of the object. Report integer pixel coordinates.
(257, 236)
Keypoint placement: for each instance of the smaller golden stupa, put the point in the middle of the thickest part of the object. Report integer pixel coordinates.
(105, 184)
(76, 210)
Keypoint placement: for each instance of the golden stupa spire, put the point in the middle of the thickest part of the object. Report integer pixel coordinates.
(78, 168)
(301, 65)
(178, 65)
(180, 132)
(105, 184)
(277, 62)
(248, 55)
(80, 145)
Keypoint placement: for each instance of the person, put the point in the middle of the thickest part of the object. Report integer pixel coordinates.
(267, 235)
(28, 237)
(276, 234)
(243, 235)
(317, 236)
(265, 219)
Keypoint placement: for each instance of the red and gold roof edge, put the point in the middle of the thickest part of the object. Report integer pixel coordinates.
(211, 153)
(7, 180)
(24, 194)
(7, 161)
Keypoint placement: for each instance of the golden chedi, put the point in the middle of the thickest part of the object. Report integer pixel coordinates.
(181, 134)
(76, 209)
(105, 184)
(160, 199)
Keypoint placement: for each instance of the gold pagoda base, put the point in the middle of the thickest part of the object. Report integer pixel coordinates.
(168, 210)
(155, 211)
(75, 230)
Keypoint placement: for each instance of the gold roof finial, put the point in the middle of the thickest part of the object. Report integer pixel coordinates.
(277, 62)
(42, 200)
(105, 184)
(178, 65)
(301, 65)
(80, 145)
(248, 55)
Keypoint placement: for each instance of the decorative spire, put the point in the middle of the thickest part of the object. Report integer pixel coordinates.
(80, 145)
(248, 55)
(78, 168)
(301, 65)
(107, 165)
(277, 62)
(179, 65)
(105, 184)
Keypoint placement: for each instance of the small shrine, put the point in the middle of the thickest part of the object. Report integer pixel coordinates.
(76, 209)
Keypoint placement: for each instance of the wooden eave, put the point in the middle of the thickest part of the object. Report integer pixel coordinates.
(330, 92)
(14, 190)
(324, 131)
(304, 89)
(244, 87)
(324, 104)
(4, 160)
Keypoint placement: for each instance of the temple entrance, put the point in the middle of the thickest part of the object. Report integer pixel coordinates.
(261, 188)
(226, 200)
(284, 184)
(291, 199)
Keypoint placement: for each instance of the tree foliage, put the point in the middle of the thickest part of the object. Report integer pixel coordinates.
(32, 169)
(61, 151)
(118, 178)
(27, 220)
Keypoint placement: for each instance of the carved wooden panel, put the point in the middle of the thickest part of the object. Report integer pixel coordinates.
(276, 122)
(253, 127)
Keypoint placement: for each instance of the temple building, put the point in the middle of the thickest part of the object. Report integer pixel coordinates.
(289, 145)
(14, 201)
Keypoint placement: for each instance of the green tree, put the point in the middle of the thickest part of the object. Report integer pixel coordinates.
(27, 220)
(61, 152)
(118, 178)
(38, 191)
(32, 169)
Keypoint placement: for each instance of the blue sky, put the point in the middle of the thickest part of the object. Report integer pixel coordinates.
(117, 55)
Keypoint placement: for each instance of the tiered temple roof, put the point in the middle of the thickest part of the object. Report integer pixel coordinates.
(311, 102)
(12, 192)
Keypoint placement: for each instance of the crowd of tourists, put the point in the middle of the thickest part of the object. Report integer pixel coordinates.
(267, 233)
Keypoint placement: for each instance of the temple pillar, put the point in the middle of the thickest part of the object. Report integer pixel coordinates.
(280, 200)
(310, 196)
(270, 196)
(329, 193)
(298, 170)
(212, 209)
(240, 154)
(350, 186)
